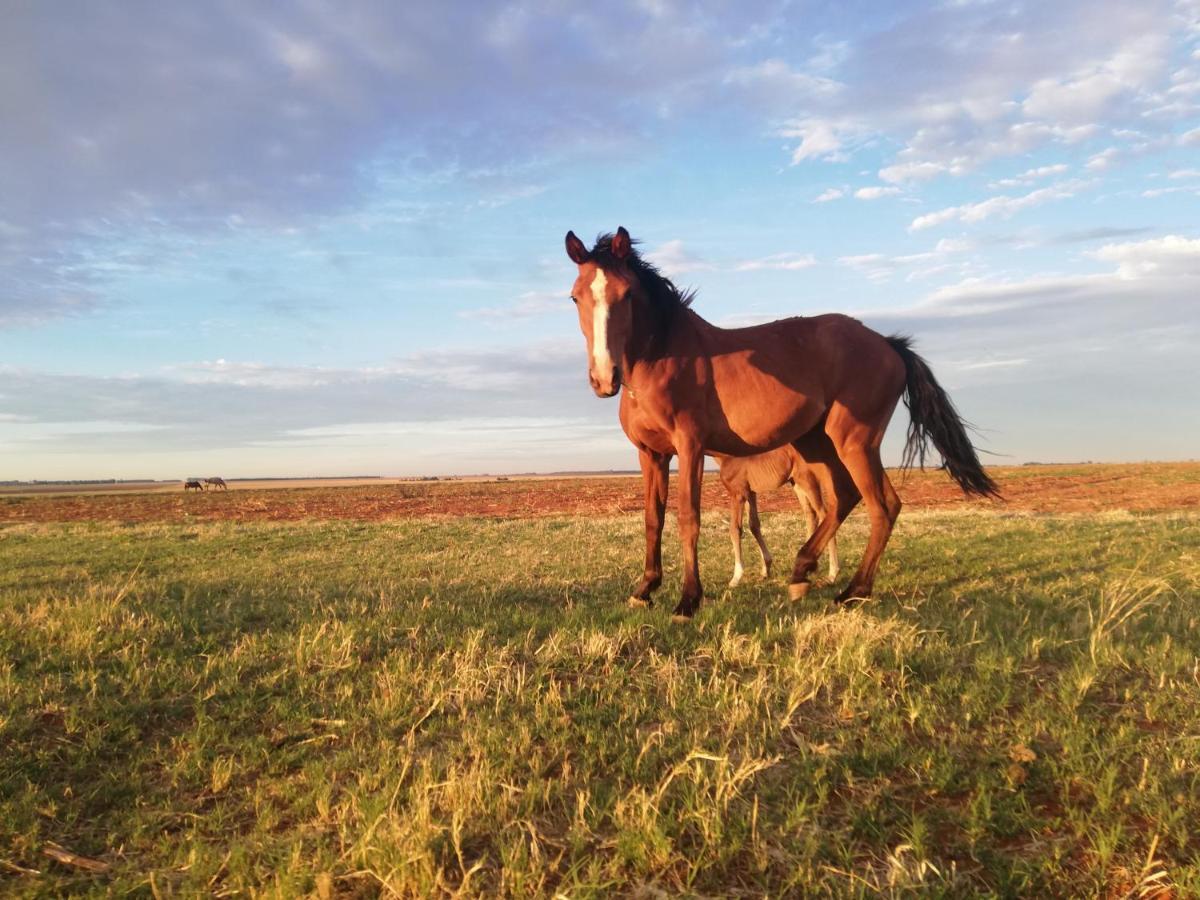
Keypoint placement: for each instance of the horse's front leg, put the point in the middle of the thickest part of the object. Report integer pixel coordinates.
(691, 478)
(655, 475)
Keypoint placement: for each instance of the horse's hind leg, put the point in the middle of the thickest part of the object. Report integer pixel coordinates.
(736, 504)
(756, 530)
(866, 469)
(839, 496)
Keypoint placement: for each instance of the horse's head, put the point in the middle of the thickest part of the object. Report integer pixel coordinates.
(603, 295)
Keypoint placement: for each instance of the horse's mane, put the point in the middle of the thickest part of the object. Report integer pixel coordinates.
(664, 295)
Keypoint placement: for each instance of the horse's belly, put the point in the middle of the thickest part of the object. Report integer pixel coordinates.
(756, 428)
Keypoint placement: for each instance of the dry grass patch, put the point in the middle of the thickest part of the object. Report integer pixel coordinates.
(361, 709)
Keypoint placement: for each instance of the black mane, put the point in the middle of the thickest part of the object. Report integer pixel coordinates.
(664, 295)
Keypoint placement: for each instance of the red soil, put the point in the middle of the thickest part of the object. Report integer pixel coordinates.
(1079, 488)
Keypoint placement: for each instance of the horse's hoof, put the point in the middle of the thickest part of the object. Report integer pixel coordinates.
(679, 619)
(638, 603)
(798, 590)
(848, 598)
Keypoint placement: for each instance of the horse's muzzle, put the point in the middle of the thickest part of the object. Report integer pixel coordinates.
(606, 390)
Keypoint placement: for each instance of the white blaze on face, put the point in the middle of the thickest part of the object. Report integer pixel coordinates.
(601, 358)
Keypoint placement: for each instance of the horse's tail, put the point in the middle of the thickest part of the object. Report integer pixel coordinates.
(933, 419)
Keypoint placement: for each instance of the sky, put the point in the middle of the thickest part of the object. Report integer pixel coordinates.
(321, 239)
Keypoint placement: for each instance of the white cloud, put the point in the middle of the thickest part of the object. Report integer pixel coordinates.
(1030, 175)
(775, 81)
(675, 260)
(875, 192)
(1188, 138)
(923, 170)
(876, 266)
(1161, 271)
(881, 267)
(953, 245)
(818, 140)
(303, 58)
(1089, 92)
(993, 363)
(287, 117)
(1001, 206)
(829, 194)
(1151, 193)
(1102, 160)
(229, 402)
(256, 374)
(1172, 256)
(527, 305)
(788, 262)
(1004, 85)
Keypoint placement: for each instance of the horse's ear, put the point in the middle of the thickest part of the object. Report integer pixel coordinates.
(621, 243)
(575, 249)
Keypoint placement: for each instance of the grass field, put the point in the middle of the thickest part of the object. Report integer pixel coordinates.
(461, 704)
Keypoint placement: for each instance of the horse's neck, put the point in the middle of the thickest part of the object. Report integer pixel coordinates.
(679, 336)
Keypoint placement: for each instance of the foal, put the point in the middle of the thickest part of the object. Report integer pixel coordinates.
(744, 477)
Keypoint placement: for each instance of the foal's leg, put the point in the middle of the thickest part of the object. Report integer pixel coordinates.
(839, 497)
(691, 478)
(736, 504)
(756, 530)
(834, 566)
(809, 496)
(810, 510)
(654, 482)
(808, 504)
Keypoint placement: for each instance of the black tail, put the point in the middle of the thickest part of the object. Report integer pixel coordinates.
(933, 418)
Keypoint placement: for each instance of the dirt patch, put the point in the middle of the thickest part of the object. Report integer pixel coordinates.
(1141, 487)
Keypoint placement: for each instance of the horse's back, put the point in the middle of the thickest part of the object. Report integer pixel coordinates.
(833, 357)
(772, 382)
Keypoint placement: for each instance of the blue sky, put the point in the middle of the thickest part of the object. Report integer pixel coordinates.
(326, 239)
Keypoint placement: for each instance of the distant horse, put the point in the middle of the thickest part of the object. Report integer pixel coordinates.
(827, 385)
(193, 485)
(744, 477)
(216, 483)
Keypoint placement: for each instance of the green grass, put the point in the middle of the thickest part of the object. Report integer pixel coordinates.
(432, 707)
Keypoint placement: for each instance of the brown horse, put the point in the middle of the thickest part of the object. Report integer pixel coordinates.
(745, 476)
(193, 484)
(827, 385)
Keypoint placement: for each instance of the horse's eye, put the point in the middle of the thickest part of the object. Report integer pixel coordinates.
(573, 300)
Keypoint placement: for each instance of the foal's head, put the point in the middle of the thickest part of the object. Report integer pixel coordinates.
(603, 294)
